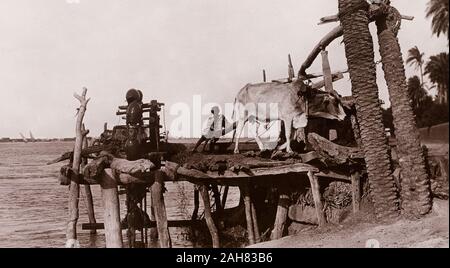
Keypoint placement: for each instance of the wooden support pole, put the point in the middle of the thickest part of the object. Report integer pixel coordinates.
(327, 77)
(248, 213)
(218, 204)
(216, 195)
(225, 196)
(74, 188)
(160, 210)
(90, 206)
(87, 188)
(315, 187)
(255, 225)
(110, 197)
(145, 228)
(153, 230)
(196, 204)
(208, 217)
(264, 76)
(356, 191)
(281, 216)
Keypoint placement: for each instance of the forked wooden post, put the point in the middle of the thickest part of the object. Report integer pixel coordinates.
(281, 217)
(110, 197)
(208, 217)
(356, 191)
(315, 188)
(160, 210)
(74, 188)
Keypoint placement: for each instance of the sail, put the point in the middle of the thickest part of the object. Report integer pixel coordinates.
(32, 137)
(23, 138)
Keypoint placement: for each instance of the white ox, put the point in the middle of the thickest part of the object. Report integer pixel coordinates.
(253, 101)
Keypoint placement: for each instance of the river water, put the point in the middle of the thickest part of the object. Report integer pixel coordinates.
(34, 206)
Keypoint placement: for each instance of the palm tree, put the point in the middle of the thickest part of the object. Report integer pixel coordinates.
(415, 186)
(360, 57)
(415, 58)
(437, 70)
(438, 10)
(416, 92)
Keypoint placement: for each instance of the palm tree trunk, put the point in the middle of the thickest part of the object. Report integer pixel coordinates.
(360, 56)
(415, 188)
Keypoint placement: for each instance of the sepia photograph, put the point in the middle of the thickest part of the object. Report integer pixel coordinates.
(224, 124)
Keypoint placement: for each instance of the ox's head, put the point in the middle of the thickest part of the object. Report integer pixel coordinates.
(326, 105)
(320, 104)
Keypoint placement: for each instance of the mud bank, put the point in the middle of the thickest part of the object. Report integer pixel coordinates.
(359, 232)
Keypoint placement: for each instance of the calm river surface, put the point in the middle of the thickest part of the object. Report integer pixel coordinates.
(33, 206)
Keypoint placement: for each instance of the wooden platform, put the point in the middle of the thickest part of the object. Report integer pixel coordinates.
(208, 171)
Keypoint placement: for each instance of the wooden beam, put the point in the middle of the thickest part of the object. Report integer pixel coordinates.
(332, 153)
(335, 77)
(134, 168)
(255, 172)
(174, 171)
(319, 75)
(324, 42)
(335, 18)
(328, 19)
(333, 175)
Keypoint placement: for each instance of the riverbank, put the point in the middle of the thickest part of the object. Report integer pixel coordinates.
(361, 231)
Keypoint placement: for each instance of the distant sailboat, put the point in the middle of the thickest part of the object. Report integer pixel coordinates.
(32, 139)
(23, 138)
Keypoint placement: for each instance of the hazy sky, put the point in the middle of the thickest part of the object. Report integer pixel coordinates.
(171, 49)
